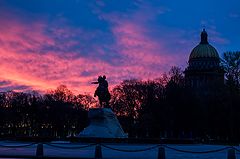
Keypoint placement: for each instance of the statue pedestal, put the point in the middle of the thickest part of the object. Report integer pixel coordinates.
(103, 124)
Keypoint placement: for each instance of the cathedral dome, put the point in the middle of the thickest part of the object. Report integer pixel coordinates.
(204, 73)
(204, 49)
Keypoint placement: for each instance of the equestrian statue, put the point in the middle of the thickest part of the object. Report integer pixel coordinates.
(102, 91)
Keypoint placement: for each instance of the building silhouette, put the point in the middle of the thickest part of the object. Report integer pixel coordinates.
(204, 73)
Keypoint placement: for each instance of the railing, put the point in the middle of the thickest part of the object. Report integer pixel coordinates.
(98, 150)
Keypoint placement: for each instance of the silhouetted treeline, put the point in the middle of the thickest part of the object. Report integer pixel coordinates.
(165, 107)
(160, 108)
(56, 114)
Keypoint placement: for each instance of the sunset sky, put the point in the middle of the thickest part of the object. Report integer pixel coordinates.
(46, 43)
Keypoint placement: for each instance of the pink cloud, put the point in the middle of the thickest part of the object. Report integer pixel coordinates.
(45, 70)
(145, 56)
(25, 61)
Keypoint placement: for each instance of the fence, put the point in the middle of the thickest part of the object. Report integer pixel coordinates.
(98, 150)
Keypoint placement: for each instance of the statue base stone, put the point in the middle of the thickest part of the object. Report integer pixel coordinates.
(103, 124)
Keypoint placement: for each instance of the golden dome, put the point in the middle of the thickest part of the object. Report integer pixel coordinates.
(204, 49)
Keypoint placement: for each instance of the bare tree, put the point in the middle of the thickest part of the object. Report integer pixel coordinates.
(231, 64)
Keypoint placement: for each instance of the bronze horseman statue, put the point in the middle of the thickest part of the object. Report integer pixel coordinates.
(103, 122)
(102, 91)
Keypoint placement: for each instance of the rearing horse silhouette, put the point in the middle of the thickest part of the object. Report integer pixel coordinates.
(103, 96)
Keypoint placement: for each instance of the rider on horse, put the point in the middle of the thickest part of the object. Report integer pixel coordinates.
(102, 90)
